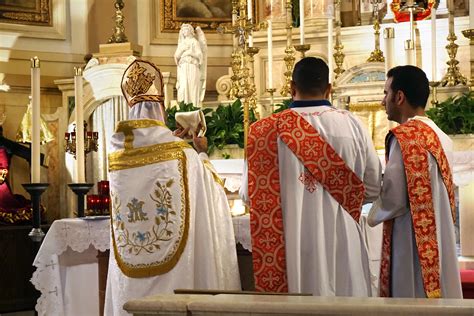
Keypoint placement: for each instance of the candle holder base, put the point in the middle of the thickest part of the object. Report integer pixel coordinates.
(36, 190)
(80, 189)
(302, 48)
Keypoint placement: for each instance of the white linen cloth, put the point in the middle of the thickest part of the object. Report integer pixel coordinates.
(66, 267)
(209, 259)
(406, 280)
(193, 120)
(326, 251)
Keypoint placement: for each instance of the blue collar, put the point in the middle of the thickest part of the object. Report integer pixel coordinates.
(307, 103)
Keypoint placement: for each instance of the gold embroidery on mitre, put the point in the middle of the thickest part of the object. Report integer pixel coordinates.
(138, 81)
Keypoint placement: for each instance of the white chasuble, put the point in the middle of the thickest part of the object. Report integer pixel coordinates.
(171, 223)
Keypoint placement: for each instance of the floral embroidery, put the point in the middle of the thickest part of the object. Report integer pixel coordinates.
(309, 181)
(162, 230)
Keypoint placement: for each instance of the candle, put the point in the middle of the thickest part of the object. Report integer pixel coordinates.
(35, 126)
(80, 159)
(270, 55)
(434, 69)
(250, 17)
(389, 36)
(301, 22)
(409, 49)
(330, 47)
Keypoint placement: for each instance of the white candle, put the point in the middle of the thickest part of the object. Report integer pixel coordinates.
(434, 69)
(80, 159)
(330, 48)
(270, 55)
(409, 55)
(35, 126)
(389, 36)
(301, 22)
(250, 17)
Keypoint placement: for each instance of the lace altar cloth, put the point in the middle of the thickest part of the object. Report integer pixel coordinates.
(65, 239)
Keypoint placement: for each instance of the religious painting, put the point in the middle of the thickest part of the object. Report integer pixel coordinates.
(30, 12)
(208, 14)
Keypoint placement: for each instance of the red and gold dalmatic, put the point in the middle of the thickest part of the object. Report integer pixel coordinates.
(266, 219)
(417, 140)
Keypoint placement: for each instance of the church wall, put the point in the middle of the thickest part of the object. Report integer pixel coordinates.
(82, 25)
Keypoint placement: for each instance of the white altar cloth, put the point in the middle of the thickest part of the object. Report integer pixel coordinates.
(66, 267)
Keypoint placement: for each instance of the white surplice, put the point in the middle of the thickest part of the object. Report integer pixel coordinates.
(326, 252)
(406, 280)
(209, 259)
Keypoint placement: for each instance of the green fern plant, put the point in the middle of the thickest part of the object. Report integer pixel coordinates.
(226, 126)
(455, 115)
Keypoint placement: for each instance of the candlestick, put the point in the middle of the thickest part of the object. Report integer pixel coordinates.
(409, 56)
(330, 48)
(35, 126)
(434, 69)
(80, 165)
(35, 190)
(270, 55)
(301, 2)
(302, 49)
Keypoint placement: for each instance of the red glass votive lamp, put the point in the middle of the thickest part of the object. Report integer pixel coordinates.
(105, 203)
(103, 188)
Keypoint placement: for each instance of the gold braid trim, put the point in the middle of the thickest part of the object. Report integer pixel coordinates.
(153, 269)
(139, 157)
(215, 175)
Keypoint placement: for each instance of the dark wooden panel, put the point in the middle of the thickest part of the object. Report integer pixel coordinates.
(17, 253)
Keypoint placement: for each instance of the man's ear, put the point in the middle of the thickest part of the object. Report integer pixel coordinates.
(327, 93)
(292, 89)
(400, 97)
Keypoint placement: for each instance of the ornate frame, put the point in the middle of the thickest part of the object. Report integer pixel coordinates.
(171, 23)
(20, 14)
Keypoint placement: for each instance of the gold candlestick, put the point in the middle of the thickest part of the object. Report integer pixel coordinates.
(469, 33)
(376, 55)
(434, 90)
(252, 51)
(119, 30)
(289, 51)
(271, 91)
(338, 47)
(453, 76)
(303, 48)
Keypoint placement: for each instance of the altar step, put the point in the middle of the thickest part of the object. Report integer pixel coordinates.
(265, 305)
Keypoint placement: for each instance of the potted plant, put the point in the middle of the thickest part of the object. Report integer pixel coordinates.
(455, 115)
(225, 130)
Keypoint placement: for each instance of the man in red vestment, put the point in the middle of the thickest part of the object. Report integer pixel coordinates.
(310, 169)
(417, 200)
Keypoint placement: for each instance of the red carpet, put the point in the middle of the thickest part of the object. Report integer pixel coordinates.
(467, 281)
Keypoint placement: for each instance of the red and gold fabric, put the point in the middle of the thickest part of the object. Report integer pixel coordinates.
(417, 140)
(422, 12)
(266, 219)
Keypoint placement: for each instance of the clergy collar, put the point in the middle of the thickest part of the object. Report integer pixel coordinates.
(308, 103)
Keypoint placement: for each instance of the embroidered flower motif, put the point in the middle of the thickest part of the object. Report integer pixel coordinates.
(162, 210)
(309, 181)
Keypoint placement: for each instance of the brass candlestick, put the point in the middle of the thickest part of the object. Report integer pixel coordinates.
(271, 91)
(453, 76)
(303, 48)
(119, 29)
(252, 97)
(469, 33)
(289, 51)
(338, 47)
(376, 55)
(434, 90)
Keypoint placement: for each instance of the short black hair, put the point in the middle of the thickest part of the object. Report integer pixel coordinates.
(311, 76)
(412, 81)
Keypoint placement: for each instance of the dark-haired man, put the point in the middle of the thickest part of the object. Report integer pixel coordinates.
(417, 199)
(310, 169)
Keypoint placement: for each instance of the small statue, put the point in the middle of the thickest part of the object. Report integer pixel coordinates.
(191, 59)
